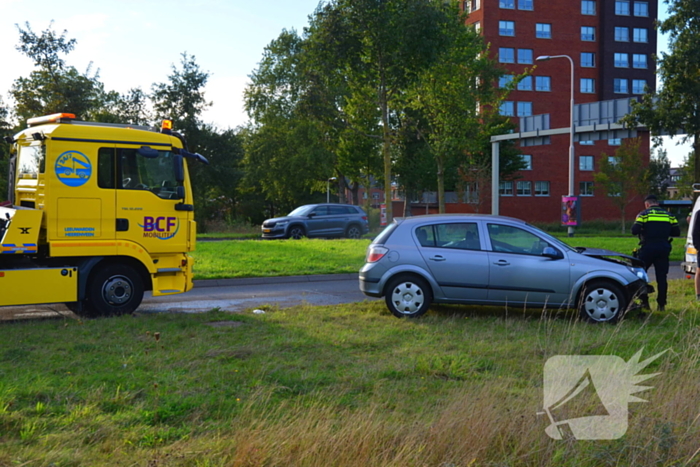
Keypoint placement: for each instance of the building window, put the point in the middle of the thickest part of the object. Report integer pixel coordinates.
(525, 5)
(622, 34)
(641, 9)
(639, 61)
(639, 35)
(586, 188)
(525, 84)
(506, 55)
(587, 85)
(622, 7)
(524, 109)
(587, 59)
(505, 188)
(504, 81)
(543, 31)
(524, 188)
(620, 86)
(477, 26)
(622, 60)
(614, 142)
(588, 7)
(471, 5)
(506, 28)
(527, 161)
(525, 56)
(543, 83)
(585, 162)
(541, 188)
(507, 109)
(586, 143)
(587, 33)
(507, 4)
(638, 86)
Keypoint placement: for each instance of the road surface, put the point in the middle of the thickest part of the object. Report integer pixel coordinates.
(244, 294)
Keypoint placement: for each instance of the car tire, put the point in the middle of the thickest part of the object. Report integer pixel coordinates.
(296, 232)
(353, 232)
(408, 296)
(602, 302)
(113, 290)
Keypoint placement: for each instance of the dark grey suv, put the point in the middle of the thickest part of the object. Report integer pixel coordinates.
(319, 220)
(494, 260)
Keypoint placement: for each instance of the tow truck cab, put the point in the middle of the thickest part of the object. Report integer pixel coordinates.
(98, 214)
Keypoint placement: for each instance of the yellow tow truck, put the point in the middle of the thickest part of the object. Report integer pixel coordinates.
(97, 214)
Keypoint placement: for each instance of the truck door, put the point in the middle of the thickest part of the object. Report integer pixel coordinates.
(150, 209)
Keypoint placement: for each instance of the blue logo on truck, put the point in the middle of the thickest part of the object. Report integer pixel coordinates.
(73, 168)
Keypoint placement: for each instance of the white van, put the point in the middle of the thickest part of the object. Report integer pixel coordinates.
(691, 252)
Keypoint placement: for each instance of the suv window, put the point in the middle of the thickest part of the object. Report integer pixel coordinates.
(463, 236)
(338, 210)
(320, 211)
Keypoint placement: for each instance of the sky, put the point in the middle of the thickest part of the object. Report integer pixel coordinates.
(135, 43)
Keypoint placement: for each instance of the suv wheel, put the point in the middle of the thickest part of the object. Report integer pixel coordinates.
(408, 296)
(602, 302)
(353, 232)
(296, 232)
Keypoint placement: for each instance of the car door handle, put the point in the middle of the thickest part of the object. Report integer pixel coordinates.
(437, 258)
(502, 262)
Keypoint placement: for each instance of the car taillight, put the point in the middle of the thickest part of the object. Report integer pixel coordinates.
(364, 218)
(375, 253)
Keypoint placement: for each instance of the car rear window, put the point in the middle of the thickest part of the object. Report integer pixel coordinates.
(385, 234)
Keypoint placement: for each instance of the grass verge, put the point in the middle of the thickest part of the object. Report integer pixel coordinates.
(333, 386)
(236, 258)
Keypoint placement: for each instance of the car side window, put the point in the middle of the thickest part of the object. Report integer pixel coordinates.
(463, 236)
(337, 210)
(320, 211)
(507, 239)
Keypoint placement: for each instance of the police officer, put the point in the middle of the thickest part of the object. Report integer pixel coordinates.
(654, 226)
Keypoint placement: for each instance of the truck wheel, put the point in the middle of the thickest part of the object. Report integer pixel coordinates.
(114, 290)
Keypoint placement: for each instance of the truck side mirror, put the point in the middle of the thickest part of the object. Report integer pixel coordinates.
(179, 168)
(180, 192)
(147, 152)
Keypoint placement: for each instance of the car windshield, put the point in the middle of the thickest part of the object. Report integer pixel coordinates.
(553, 240)
(301, 210)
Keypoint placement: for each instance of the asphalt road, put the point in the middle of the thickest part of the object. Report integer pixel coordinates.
(229, 295)
(244, 294)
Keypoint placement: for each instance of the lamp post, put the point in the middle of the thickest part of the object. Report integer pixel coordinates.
(328, 188)
(571, 127)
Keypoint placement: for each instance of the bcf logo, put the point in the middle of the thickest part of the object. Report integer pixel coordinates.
(150, 224)
(160, 227)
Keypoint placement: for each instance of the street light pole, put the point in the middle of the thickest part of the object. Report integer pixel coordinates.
(328, 188)
(571, 128)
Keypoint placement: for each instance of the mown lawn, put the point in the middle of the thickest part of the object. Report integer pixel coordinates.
(333, 386)
(239, 258)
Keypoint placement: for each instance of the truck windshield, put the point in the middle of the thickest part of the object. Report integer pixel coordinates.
(31, 160)
(154, 174)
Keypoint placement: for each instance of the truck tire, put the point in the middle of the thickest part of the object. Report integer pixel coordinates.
(113, 290)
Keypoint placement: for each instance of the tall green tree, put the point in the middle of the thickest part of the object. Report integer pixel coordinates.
(5, 130)
(54, 86)
(457, 97)
(382, 45)
(623, 176)
(288, 153)
(676, 106)
(182, 99)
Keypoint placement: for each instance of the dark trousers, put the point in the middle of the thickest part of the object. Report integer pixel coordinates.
(656, 254)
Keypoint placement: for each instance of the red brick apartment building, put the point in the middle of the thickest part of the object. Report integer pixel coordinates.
(612, 44)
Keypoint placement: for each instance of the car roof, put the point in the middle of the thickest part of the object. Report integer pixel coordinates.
(456, 217)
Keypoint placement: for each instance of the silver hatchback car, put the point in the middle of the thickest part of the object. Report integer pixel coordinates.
(494, 260)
